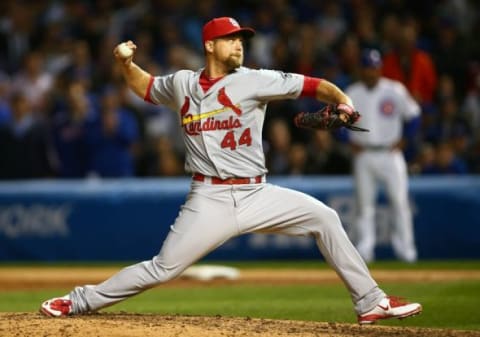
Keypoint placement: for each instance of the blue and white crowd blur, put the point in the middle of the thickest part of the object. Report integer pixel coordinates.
(65, 111)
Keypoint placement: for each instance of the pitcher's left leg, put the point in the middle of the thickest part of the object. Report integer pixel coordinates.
(280, 210)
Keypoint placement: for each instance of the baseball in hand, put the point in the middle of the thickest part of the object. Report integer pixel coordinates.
(125, 51)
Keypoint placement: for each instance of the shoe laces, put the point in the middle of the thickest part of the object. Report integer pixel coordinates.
(396, 301)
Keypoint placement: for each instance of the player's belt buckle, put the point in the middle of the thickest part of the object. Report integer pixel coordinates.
(228, 181)
(378, 147)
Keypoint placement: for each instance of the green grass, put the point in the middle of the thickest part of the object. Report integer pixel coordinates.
(300, 264)
(446, 304)
(386, 264)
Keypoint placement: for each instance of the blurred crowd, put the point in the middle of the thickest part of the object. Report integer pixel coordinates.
(65, 111)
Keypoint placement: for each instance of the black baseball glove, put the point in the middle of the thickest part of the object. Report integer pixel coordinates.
(330, 117)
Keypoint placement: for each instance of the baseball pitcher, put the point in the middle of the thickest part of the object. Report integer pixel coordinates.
(222, 108)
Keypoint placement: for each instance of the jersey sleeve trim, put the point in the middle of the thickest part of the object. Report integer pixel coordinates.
(147, 97)
(310, 85)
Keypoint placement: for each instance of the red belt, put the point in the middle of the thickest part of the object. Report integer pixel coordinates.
(228, 181)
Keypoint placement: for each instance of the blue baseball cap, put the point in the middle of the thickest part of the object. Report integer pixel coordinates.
(371, 58)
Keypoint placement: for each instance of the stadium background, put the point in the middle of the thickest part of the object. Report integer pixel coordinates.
(62, 97)
(79, 120)
(87, 158)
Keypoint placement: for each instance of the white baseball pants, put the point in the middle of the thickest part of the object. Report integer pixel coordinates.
(211, 215)
(389, 168)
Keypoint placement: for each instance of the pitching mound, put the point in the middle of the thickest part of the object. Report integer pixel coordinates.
(135, 325)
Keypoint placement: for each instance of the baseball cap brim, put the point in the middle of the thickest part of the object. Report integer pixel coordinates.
(245, 31)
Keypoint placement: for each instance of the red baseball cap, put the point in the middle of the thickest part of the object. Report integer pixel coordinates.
(223, 26)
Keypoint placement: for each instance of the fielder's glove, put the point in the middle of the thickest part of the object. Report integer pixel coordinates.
(330, 117)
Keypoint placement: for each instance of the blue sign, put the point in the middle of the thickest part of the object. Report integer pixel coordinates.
(115, 220)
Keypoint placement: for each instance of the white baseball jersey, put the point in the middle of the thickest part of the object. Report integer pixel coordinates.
(222, 128)
(384, 108)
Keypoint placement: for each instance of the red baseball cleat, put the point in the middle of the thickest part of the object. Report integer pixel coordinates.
(57, 307)
(390, 307)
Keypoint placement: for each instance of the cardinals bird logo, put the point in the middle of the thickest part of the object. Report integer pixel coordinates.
(224, 100)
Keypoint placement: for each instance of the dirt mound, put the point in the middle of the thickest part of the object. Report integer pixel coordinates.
(144, 325)
(136, 325)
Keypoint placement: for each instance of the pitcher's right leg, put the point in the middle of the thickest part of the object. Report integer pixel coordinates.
(204, 223)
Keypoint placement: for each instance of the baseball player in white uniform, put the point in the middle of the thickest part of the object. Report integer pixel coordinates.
(385, 105)
(222, 108)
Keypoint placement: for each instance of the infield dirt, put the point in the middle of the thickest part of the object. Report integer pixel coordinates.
(32, 324)
(143, 325)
